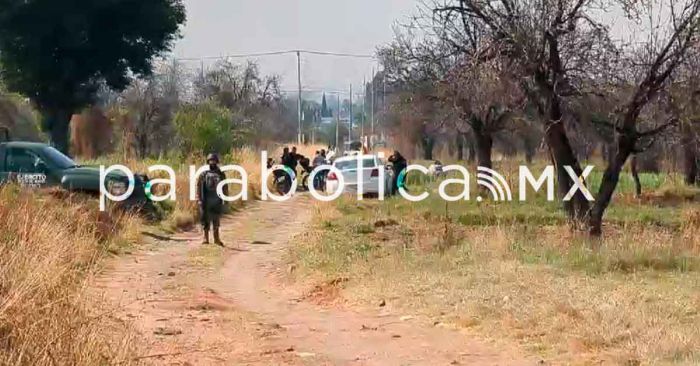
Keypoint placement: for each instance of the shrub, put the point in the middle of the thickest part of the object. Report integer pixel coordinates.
(206, 127)
(17, 115)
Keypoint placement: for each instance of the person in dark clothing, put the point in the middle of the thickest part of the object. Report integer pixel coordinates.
(306, 170)
(305, 163)
(210, 204)
(289, 162)
(295, 158)
(319, 179)
(319, 160)
(399, 164)
(286, 158)
(324, 173)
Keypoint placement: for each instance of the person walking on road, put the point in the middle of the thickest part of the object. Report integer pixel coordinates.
(211, 206)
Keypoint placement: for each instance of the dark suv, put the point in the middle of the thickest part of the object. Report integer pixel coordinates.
(37, 165)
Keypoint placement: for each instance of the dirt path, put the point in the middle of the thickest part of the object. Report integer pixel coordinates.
(194, 305)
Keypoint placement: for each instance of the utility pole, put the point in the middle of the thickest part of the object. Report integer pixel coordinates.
(299, 136)
(364, 107)
(383, 103)
(351, 116)
(337, 126)
(372, 103)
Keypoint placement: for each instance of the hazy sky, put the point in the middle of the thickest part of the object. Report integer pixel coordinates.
(221, 27)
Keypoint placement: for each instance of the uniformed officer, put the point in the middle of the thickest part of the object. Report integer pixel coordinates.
(211, 206)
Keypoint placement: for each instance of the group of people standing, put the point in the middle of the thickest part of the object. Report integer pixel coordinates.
(291, 159)
(212, 206)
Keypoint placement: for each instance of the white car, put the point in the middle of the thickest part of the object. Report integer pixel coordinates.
(372, 168)
(436, 170)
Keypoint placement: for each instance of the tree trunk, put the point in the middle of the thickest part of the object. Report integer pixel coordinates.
(471, 149)
(560, 150)
(484, 148)
(563, 155)
(691, 160)
(609, 152)
(56, 123)
(530, 146)
(142, 143)
(692, 169)
(427, 143)
(625, 148)
(460, 147)
(635, 176)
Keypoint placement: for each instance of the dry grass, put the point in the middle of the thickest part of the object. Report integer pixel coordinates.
(51, 242)
(629, 299)
(49, 247)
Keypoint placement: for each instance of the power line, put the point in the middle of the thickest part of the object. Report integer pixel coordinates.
(338, 54)
(299, 89)
(314, 90)
(246, 55)
(277, 53)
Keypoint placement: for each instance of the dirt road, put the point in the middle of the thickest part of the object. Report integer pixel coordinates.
(201, 305)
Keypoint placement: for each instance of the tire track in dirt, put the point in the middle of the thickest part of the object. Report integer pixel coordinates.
(238, 313)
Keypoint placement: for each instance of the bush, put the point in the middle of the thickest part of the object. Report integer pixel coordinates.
(19, 117)
(207, 127)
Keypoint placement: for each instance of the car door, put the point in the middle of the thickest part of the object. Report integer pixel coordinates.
(388, 175)
(3, 171)
(25, 167)
(350, 170)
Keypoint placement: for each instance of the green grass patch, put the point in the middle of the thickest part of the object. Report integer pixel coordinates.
(518, 271)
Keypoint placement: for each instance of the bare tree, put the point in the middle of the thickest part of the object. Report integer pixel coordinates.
(413, 70)
(555, 46)
(653, 63)
(150, 106)
(488, 99)
(562, 51)
(255, 101)
(690, 142)
(685, 91)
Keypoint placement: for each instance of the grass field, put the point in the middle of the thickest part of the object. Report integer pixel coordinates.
(51, 243)
(518, 272)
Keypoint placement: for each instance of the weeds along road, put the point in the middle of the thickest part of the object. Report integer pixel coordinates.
(189, 304)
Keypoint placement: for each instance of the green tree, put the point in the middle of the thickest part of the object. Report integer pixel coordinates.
(325, 112)
(207, 127)
(58, 53)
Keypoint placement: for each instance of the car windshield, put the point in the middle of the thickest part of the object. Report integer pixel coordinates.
(58, 159)
(352, 164)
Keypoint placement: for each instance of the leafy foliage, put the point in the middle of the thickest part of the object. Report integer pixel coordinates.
(19, 117)
(206, 128)
(58, 53)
